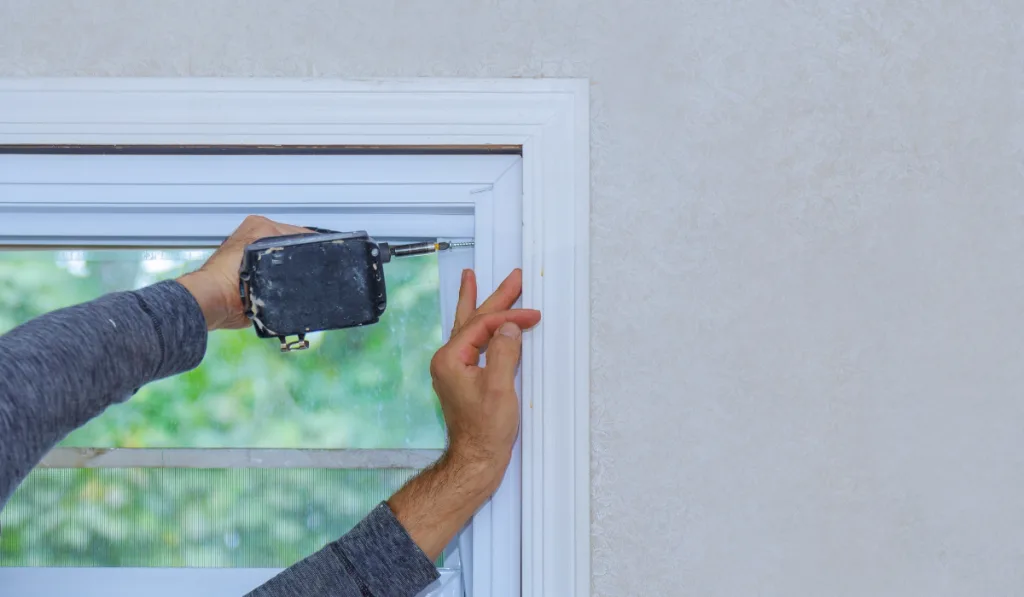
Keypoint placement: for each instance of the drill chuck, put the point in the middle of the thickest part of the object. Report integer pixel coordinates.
(388, 251)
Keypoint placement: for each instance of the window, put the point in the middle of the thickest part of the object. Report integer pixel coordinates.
(255, 459)
(159, 171)
(367, 389)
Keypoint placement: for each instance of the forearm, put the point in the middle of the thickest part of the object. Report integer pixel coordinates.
(60, 370)
(391, 552)
(375, 559)
(437, 503)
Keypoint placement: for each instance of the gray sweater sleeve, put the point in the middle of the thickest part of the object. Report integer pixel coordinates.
(62, 369)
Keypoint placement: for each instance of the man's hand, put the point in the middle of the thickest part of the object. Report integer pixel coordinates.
(481, 410)
(480, 405)
(215, 285)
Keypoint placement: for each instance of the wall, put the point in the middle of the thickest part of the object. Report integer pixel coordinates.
(816, 389)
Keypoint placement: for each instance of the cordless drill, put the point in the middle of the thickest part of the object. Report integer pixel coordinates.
(322, 280)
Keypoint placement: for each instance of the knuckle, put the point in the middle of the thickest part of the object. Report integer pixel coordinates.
(439, 362)
(485, 320)
(496, 391)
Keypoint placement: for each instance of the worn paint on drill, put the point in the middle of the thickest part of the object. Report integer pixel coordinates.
(320, 283)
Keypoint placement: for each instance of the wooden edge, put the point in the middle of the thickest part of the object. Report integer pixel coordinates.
(263, 149)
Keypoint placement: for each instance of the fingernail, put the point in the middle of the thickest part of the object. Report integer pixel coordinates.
(465, 273)
(510, 330)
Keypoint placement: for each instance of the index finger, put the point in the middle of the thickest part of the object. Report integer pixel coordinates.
(467, 300)
(505, 295)
(472, 338)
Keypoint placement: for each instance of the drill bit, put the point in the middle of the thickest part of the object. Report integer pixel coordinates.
(448, 245)
(425, 248)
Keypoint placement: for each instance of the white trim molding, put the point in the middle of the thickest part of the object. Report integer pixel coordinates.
(548, 119)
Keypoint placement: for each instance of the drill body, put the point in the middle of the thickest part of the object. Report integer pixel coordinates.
(323, 280)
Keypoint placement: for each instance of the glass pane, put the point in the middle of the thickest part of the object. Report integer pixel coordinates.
(249, 518)
(365, 387)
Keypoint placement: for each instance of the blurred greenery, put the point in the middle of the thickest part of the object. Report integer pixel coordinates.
(361, 388)
(247, 518)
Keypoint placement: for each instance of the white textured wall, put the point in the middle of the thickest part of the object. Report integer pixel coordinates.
(820, 389)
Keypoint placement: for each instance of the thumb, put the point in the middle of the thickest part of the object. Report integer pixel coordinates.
(503, 356)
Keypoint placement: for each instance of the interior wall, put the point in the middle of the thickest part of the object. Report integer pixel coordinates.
(807, 245)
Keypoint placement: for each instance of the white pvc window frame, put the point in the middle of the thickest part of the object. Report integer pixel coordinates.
(533, 537)
(185, 200)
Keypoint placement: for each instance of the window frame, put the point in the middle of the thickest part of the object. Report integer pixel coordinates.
(181, 200)
(546, 120)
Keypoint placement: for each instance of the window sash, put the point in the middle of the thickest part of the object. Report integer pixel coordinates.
(464, 210)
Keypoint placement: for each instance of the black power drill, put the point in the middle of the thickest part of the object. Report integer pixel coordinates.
(323, 280)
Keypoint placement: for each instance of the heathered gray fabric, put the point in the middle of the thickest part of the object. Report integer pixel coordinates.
(62, 369)
(376, 558)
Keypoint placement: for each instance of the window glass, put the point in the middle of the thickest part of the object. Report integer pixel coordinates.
(365, 387)
(359, 388)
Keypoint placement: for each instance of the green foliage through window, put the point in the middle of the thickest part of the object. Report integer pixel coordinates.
(361, 388)
(245, 518)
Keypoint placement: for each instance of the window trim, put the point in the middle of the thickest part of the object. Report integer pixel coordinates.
(548, 119)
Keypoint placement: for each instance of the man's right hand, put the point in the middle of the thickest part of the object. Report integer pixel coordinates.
(215, 285)
(481, 411)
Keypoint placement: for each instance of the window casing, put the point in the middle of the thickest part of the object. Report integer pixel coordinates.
(546, 120)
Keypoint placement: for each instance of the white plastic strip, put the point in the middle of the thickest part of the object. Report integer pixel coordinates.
(450, 266)
(273, 170)
(499, 539)
(236, 458)
(169, 228)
